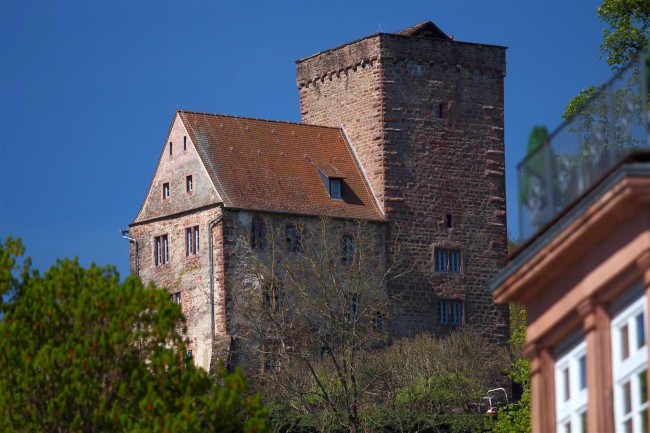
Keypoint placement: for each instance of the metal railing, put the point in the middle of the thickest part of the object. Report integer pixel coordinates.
(610, 125)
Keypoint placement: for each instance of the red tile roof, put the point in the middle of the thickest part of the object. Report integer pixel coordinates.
(426, 29)
(274, 166)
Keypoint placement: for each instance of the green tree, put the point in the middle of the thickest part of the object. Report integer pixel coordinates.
(534, 174)
(627, 32)
(83, 352)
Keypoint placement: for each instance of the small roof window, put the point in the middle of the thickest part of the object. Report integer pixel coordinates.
(335, 189)
(332, 179)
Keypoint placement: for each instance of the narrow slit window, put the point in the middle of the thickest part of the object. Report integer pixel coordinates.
(258, 234)
(348, 250)
(456, 313)
(443, 312)
(184, 143)
(448, 221)
(165, 190)
(170, 148)
(189, 183)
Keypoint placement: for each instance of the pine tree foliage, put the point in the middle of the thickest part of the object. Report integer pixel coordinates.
(81, 351)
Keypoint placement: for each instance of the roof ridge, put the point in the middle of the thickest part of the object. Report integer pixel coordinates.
(232, 116)
(414, 26)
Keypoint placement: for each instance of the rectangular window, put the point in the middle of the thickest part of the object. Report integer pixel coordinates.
(378, 321)
(582, 368)
(447, 261)
(184, 143)
(294, 234)
(170, 148)
(571, 389)
(189, 185)
(353, 307)
(443, 312)
(640, 330)
(273, 298)
(161, 253)
(456, 313)
(348, 249)
(335, 189)
(175, 298)
(165, 190)
(450, 312)
(258, 234)
(629, 367)
(192, 241)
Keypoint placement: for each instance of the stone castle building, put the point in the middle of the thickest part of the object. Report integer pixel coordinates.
(404, 131)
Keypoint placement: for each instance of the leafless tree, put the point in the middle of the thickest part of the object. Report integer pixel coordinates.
(311, 306)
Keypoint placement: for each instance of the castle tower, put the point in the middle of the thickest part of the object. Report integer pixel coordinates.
(425, 116)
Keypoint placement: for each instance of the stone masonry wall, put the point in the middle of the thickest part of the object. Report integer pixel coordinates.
(426, 117)
(236, 226)
(188, 275)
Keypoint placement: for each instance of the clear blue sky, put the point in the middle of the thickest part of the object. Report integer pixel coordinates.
(88, 91)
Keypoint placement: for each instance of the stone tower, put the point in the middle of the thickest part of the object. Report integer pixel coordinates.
(425, 116)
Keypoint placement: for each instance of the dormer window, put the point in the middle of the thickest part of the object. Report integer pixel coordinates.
(335, 189)
(332, 178)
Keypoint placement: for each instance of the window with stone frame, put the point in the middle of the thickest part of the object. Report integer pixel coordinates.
(348, 245)
(447, 260)
(378, 321)
(175, 297)
(189, 183)
(450, 312)
(353, 307)
(165, 190)
(161, 250)
(192, 238)
(258, 234)
(630, 367)
(294, 235)
(272, 297)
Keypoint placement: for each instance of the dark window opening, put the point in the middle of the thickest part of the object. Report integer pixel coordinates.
(161, 251)
(448, 221)
(258, 234)
(294, 236)
(170, 148)
(440, 111)
(189, 184)
(348, 249)
(165, 190)
(336, 189)
(184, 143)
(378, 321)
(175, 298)
(447, 260)
(273, 298)
(353, 308)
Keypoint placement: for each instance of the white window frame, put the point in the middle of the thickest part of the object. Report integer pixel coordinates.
(628, 370)
(570, 410)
